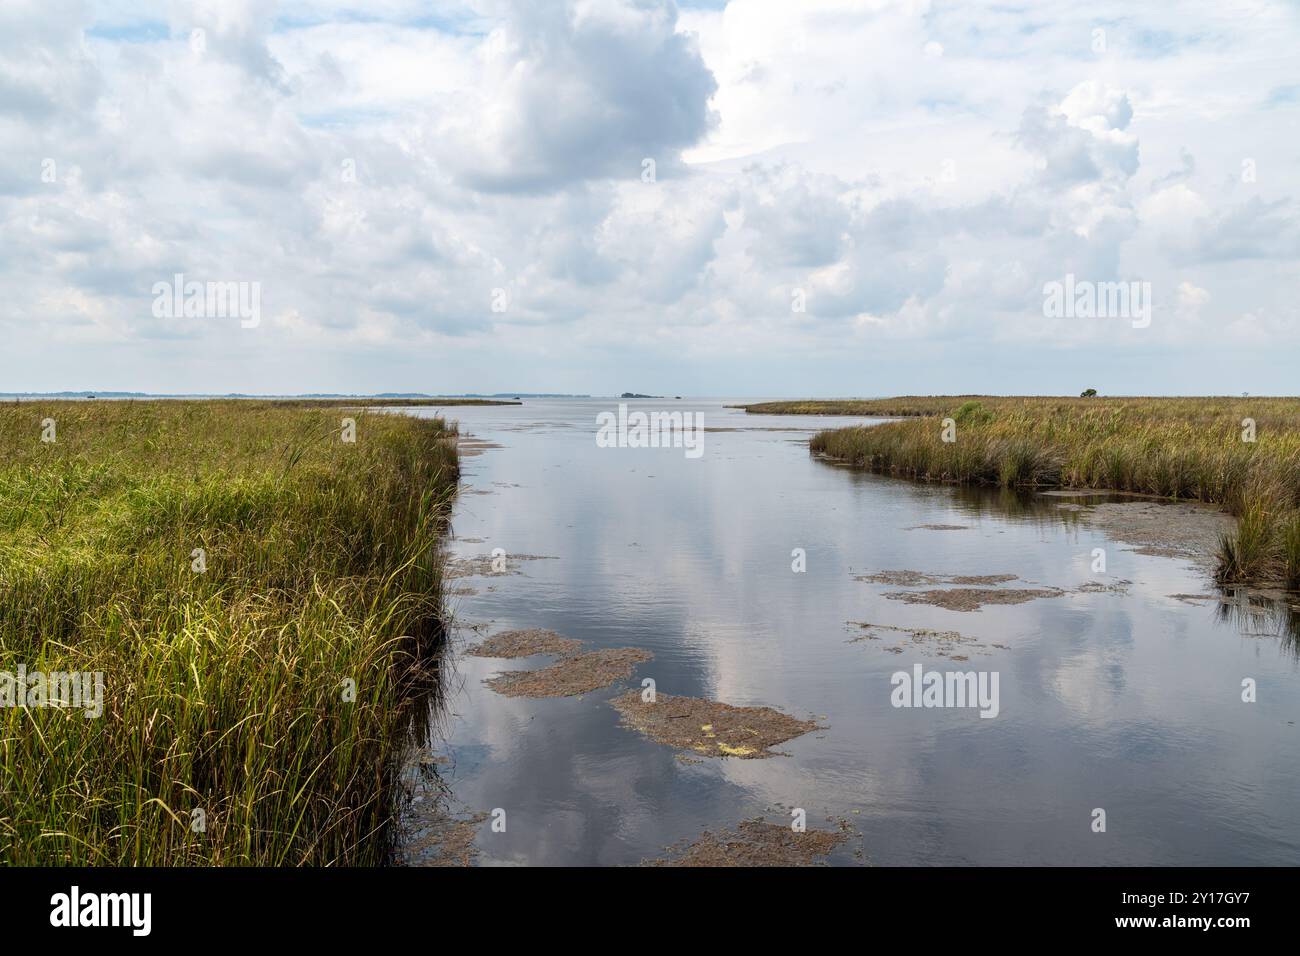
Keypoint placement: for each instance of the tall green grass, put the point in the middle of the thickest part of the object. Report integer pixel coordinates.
(224, 690)
(1186, 448)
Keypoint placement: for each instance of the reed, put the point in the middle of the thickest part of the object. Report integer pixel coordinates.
(230, 731)
(1182, 448)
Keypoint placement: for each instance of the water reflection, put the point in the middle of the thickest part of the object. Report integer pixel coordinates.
(1262, 616)
(1127, 699)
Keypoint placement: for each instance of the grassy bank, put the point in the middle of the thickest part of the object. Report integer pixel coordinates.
(1189, 448)
(228, 734)
(902, 407)
(389, 402)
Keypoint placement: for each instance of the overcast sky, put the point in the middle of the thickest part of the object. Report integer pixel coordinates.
(448, 197)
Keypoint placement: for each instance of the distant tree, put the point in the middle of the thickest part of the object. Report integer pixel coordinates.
(1088, 393)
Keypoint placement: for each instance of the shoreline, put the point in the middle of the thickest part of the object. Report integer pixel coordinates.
(1241, 455)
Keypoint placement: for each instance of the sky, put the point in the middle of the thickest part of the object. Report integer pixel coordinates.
(745, 198)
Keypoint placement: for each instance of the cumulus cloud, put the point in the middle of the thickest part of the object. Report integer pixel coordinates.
(916, 171)
(580, 91)
(797, 218)
(1084, 138)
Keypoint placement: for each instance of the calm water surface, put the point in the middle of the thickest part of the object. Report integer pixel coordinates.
(1129, 702)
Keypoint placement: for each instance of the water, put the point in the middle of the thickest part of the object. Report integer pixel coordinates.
(1129, 702)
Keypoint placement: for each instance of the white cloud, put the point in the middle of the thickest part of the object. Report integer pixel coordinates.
(920, 170)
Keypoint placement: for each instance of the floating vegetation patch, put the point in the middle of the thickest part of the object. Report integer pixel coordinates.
(578, 674)
(710, 728)
(757, 843)
(525, 643)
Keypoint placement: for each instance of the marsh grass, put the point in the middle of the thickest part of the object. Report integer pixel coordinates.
(1289, 547)
(224, 690)
(1185, 448)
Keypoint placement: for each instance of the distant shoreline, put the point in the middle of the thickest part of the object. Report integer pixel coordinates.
(403, 398)
(907, 406)
(278, 401)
